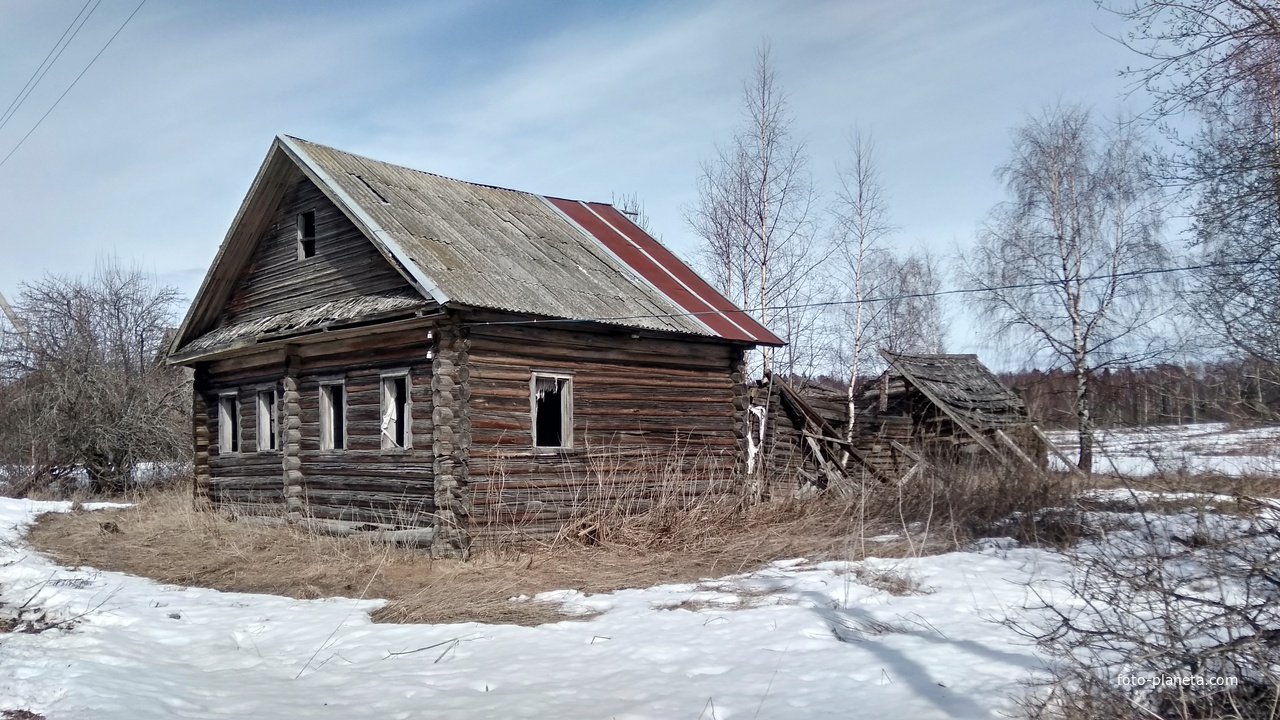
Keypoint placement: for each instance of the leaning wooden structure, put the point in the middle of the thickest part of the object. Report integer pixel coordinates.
(378, 349)
(921, 409)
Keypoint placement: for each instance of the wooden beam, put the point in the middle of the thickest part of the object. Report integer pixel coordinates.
(1051, 447)
(905, 451)
(1017, 451)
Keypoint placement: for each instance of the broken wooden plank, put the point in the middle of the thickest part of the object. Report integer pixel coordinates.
(1051, 447)
(1017, 451)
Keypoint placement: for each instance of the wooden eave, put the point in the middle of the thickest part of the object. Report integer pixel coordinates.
(495, 320)
(337, 330)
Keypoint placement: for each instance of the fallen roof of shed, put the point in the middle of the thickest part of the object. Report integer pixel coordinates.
(962, 386)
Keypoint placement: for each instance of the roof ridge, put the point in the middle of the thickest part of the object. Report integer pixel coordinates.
(398, 166)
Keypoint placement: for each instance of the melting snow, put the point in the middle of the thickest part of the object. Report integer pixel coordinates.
(795, 640)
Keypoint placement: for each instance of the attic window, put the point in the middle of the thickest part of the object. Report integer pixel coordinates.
(306, 234)
(551, 402)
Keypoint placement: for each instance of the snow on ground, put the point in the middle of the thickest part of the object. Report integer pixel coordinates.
(1205, 448)
(797, 640)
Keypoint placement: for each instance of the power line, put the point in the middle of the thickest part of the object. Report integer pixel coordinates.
(73, 82)
(889, 298)
(43, 68)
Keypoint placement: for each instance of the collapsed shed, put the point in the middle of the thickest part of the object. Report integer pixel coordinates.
(922, 408)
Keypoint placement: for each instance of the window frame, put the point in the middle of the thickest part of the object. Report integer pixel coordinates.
(566, 409)
(385, 378)
(305, 251)
(229, 443)
(327, 441)
(273, 419)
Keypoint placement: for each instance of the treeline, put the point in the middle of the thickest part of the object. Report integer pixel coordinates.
(1166, 394)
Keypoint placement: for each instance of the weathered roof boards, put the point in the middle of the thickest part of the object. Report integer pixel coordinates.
(381, 349)
(464, 245)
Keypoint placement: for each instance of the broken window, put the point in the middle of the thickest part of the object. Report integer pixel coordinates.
(552, 406)
(333, 416)
(395, 411)
(228, 423)
(267, 432)
(306, 234)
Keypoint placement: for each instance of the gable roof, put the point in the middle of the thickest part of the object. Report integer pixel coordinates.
(961, 386)
(462, 245)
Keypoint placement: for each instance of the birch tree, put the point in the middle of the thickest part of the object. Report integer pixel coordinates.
(754, 205)
(862, 226)
(1064, 263)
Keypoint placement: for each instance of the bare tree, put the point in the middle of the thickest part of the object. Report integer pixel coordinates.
(1196, 49)
(1167, 616)
(1065, 263)
(1219, 60)
(862, 225)
(86, 389)
(629, 204)
(908, 318)
(754, 204)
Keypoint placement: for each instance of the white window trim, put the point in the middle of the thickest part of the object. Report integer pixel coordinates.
(228, 442)
(326, 417)
(273, 419)
(386, 405)
(566, 410)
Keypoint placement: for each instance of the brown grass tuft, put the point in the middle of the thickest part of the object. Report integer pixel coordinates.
(163, 537)
(673, 536)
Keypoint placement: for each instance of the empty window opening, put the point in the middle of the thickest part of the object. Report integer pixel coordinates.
(228, 424)
(552, 411)
(333, 420)
(267, 432)
(381, 198)
(395, 412)
(306, 234)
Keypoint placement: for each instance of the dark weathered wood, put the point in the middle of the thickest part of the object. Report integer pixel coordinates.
(346, 264)
(650, 415)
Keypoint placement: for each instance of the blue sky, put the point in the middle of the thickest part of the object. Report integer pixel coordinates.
(148, 157)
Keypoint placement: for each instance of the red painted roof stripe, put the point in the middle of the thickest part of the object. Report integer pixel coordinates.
(685, 275)
(621, 225)
(648, 269)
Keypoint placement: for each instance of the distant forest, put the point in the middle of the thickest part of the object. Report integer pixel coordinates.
(1233, 392)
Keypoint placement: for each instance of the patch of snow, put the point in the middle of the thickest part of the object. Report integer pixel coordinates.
(1205, 448)
(825, 646)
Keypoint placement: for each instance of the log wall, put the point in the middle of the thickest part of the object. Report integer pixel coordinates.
(359, 485)
(650, 416)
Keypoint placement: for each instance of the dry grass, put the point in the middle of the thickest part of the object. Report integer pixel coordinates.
(164, 538)
(678, 537)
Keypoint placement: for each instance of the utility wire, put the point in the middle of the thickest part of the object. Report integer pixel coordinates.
(889, 298)
(43, 69)
(73, 82)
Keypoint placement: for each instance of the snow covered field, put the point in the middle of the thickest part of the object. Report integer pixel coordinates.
(1206, 448)
(797, 640)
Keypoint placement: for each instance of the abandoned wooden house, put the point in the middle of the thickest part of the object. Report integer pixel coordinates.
(381, 349)
(922, 408)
